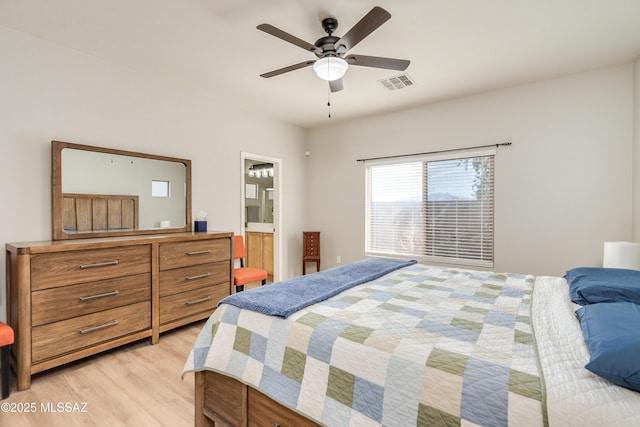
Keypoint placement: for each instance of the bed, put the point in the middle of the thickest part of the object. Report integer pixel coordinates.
(99, 212)
(414, 345)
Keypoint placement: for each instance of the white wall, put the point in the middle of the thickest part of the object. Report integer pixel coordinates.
(49, 92)
(562, 189)
(636, 153)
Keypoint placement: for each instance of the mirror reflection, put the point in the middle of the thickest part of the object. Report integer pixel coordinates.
(159, 185)
(258, 192)
(99, 190)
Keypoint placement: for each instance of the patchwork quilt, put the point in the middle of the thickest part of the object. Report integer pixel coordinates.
(426, 346)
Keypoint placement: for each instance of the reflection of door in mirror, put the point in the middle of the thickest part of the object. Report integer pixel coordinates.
(267, 205)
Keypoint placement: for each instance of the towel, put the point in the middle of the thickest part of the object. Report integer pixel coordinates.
(284, 298)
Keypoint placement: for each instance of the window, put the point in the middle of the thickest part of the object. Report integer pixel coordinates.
(435, 209)
(159, 188)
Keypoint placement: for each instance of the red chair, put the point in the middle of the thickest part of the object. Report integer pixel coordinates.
(6, 339)
(244, 275)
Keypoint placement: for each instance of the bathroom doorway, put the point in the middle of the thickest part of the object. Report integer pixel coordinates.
(260, 212)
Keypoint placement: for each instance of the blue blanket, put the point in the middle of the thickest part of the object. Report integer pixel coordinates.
(288, 296)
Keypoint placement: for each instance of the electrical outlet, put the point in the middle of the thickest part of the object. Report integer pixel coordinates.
(338, 259)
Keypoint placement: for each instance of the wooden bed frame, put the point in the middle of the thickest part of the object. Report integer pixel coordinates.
(99, 212)
(223, 401)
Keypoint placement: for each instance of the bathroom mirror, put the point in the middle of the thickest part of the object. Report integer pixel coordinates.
(99, 192)
(258, 192)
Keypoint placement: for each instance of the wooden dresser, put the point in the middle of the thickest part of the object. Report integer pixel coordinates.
(72, 299)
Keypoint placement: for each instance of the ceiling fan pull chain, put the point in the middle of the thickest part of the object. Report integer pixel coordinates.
(329, 102)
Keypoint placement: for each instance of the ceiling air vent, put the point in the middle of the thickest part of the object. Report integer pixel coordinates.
(397, 82)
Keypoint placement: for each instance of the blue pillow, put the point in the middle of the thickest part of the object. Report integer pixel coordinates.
(612, 334)
(590, 285)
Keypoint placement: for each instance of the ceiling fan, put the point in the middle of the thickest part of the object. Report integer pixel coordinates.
(332, 63)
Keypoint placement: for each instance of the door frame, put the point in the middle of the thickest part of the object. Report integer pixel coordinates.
(277, 205)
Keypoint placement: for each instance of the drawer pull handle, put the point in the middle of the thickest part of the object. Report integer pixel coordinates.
(98, 264)
(198, 301)
(206, 251)
(199, 276)
(97, 328)
(106, 294)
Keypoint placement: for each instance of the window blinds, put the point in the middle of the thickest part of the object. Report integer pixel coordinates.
(434, 209)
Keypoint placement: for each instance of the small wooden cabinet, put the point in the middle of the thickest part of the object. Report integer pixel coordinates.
(310, 249)
(69, 300)
(259, 248)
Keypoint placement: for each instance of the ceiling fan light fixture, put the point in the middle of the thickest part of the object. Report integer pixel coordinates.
(330, 68)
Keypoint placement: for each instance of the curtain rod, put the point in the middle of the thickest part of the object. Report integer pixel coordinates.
(504, 144)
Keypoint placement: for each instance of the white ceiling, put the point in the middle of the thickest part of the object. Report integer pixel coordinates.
(456, 47)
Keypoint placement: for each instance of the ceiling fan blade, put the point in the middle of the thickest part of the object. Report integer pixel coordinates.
(277, 32)
(367, 25)
(378, 62)
(287, 69)
(336, 85)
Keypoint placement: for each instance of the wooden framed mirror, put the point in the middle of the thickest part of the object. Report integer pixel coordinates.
(104, 192)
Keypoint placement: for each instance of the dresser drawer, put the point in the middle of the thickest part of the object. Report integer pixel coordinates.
(183, 254)
(65, 336)
(87, 298)
(198, 276)
(225, 398)
(68, 268)
(311, 244)
(185, 304)
(262, 411)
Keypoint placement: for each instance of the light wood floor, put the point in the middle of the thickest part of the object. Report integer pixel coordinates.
(135, 385)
